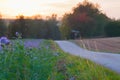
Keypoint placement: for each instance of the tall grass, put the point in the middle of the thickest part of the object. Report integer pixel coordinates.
(48, 62)
(21, 63)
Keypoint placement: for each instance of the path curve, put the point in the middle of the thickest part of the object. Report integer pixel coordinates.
(109, 60)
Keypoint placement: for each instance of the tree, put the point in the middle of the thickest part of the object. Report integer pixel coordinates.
(113, 29)
(85, 18)
(35, 28)
(19, 25)
(65, 28)
(3, 27)
(52, 28)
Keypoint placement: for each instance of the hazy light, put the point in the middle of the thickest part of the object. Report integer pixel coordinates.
(48, 7)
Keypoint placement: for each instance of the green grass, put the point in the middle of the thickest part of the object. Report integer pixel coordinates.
(48, 62)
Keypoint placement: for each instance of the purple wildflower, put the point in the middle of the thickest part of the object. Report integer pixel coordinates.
(17, 34)
(4, 41)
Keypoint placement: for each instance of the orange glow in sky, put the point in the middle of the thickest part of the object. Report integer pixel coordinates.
(12, 8)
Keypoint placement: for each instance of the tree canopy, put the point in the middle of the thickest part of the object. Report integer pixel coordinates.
(3, 28)
(86, 18)
(35, 28)
(112, 29)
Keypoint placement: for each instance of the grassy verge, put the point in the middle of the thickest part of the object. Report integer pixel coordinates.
(48, 62)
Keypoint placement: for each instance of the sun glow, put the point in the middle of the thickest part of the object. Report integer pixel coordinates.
(26, 7)
(12, 8)
(32, 7)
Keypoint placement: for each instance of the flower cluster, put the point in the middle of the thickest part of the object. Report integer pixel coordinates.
(4, 41)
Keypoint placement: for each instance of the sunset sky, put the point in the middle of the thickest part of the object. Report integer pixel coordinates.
(12, 8)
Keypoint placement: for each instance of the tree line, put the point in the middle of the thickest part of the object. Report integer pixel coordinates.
(33, 28)
(89, 22)
(86, 21)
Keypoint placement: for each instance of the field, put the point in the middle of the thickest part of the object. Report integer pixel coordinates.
(48, 62)
(101, 44)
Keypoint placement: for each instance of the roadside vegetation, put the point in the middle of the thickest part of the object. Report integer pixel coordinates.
(48, 62)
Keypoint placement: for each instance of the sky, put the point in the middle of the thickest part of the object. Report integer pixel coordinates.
(12, 8)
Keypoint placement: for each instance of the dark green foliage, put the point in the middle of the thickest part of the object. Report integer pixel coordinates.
(87, 19)
(113, 29)
(65, 27)
(19, 25)
(3, 28)
(52, 29)
(37, 28)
